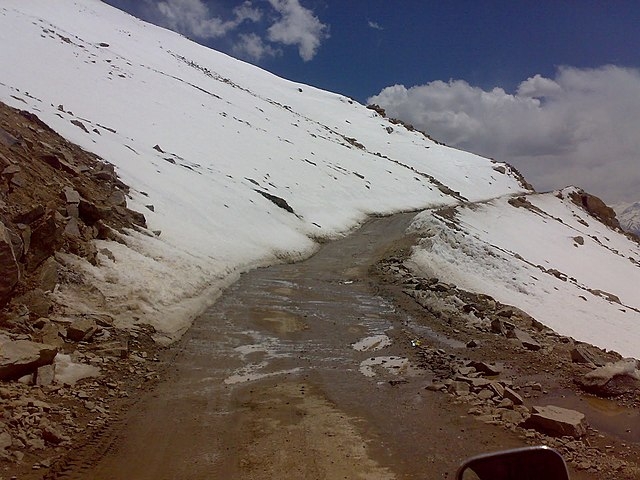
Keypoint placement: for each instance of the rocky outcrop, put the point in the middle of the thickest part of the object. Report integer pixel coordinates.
(22, 357)
(54, 197)
(596, 208)
(8, 265)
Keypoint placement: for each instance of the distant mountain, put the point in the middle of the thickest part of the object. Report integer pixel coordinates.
(629, 218)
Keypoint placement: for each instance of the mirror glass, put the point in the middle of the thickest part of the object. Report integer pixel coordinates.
(531, 463)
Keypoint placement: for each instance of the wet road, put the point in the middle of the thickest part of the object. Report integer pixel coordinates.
(300, 371)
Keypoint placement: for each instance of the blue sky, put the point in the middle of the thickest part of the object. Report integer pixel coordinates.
(550, 86)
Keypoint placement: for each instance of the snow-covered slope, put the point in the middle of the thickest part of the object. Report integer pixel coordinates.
(239, 168)
(629, 218)
(546, 255)
(213, 144)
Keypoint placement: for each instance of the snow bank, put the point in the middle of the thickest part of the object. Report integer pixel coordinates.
(234, 166)
(546, 256)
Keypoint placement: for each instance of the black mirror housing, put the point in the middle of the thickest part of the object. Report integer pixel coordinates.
(529, 463)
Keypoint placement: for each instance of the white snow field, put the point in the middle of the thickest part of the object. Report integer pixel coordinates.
(249, 169)
(551, 259)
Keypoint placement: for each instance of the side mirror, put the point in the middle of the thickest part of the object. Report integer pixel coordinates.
(529, 463)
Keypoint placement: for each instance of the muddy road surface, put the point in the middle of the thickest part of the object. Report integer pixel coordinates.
(300, 371)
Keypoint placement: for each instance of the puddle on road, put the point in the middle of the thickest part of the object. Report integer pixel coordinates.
(427, 333)
(371, 344)
(280, 322)
(603, 414)
(250, 375)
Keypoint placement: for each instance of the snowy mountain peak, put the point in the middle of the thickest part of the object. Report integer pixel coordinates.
(629, 218)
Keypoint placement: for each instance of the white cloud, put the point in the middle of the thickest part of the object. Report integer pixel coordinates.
(374, 25)
(193, 18)
(580, 127)
(297, 26)
(252, 46)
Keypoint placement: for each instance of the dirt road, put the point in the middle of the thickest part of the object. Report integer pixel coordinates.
(267, 384)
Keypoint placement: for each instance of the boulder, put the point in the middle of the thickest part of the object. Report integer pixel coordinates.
(510, 394)
(48, 275)
(50, 334)
(45, 375)
(527, 340)
(459, 388)
(582, 354)
(45, 235)
(22, 357)
(485, 368)
(36, 301)
(557, 421)
(117, 198)
(501, 326)
(5, 440)
(8, 265)
(612, 379)
(81, 329)
(51, 434)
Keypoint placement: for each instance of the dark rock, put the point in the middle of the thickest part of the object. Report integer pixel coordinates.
(558, 274)
(22, 247)
(557, 421)
(22, 357)
(45, 237)
(280, 202)
(72, 229)
(71, 195)
(104, 175)
(90, 213)
(118, 198)
(485, 368)
(7, 139)
(613, 379)
(459, 388)
(50, 334)
(80, 125)
(596, 208)
(582, 354)
(82, 329)
(8, 266)
(52, 435)
(11, 170)
(512, 395)
(501, 326)
(36, 301)
(30, 215)
(505, 312)
(527, 341)
(48, 275)
(60, 164)
(45, 375)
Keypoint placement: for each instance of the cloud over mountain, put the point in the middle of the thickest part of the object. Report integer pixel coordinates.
(578, 127)
(254, 29)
